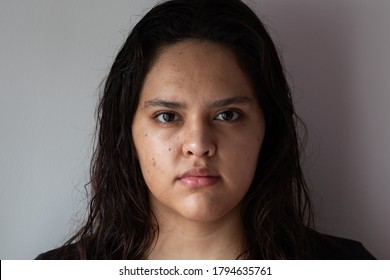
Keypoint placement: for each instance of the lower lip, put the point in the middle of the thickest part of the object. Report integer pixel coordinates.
(196, 182)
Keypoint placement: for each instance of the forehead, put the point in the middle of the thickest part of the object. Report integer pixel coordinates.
(195, 48)
(193, 52)
(196, 65)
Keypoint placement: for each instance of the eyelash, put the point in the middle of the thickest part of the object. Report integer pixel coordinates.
(236, 116)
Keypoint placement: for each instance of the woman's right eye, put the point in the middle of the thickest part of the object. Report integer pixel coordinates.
(166, 117)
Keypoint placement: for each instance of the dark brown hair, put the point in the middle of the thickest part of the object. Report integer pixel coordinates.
(276, 209)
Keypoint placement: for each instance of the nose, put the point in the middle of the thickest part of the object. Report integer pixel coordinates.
(198, 141)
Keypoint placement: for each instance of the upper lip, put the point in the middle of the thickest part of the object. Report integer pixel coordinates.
(199, 172)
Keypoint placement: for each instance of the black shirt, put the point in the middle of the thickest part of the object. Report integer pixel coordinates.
(326, 247)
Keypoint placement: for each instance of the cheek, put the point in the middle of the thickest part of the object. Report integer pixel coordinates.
(149, 157)
(245, 164)
(243, 161)
(155, 155)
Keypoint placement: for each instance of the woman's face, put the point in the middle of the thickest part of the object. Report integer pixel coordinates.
(197, 130)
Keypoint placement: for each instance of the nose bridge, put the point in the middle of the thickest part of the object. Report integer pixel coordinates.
(198, 137)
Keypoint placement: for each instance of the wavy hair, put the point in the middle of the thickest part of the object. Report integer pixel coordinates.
(276, 209)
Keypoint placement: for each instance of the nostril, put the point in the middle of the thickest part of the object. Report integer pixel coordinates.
(197, 140)
(199, 149)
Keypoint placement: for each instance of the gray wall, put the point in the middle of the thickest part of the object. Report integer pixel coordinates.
(54, 54)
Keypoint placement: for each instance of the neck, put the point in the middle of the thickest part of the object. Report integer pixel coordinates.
(183, 239)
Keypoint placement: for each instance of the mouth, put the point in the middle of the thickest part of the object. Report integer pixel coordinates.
(199, 177)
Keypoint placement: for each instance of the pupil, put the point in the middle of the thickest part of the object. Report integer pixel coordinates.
(227, 115)
(167, 117)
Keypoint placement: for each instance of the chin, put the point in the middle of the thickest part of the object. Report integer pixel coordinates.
(205, 213)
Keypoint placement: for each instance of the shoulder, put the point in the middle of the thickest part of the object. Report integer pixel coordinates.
(66, 252)
(327, 247)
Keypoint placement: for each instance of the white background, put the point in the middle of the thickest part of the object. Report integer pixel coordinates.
(54, 54)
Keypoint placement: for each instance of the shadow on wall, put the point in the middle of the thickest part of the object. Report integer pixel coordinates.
(317, 40)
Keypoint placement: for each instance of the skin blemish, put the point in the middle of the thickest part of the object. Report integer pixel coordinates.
(154, 161)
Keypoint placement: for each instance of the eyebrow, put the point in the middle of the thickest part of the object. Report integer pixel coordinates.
(231, 101)
(164, 103)
(181, 105)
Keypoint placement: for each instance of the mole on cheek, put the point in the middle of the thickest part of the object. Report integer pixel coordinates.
(154, 162)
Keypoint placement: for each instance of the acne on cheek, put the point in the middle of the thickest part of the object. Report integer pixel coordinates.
(154, 164)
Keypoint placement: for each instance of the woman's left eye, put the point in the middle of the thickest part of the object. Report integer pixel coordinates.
(228, 116)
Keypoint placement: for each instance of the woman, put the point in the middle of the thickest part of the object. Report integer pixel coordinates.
(197, 154)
